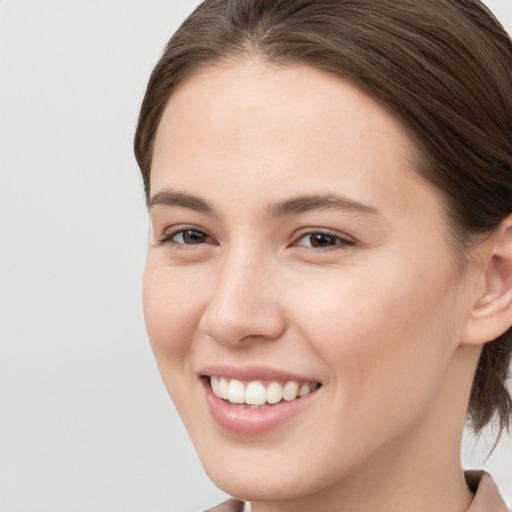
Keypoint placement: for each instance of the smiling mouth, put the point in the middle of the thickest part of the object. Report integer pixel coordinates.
(256, 394)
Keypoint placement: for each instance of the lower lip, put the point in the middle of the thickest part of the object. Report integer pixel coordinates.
(253, 421)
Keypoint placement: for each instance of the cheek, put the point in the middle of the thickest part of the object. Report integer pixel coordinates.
(172, 310)
(173, 305)
(386, 335)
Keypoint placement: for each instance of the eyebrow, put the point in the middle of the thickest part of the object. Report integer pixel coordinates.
(302, 204)
(174, 198)
(292, 206)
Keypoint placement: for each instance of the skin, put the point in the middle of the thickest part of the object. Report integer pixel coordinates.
(381, 315)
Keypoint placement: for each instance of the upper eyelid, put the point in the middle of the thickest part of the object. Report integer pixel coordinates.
(326, 231)
(170, 233)
(343, 242)
(183, 227)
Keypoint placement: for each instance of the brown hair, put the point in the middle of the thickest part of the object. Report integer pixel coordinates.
(443, 67)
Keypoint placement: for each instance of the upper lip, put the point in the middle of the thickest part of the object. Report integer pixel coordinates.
(248, 373)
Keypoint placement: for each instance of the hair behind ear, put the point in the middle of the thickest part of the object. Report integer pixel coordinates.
(493, 315)
(489, 395)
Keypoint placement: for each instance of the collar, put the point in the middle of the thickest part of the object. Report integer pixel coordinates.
(487, 496)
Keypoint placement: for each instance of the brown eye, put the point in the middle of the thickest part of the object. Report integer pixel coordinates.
(190, 236)
(320, 240)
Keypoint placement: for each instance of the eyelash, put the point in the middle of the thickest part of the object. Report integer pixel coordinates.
(167, 238)
(341, 242)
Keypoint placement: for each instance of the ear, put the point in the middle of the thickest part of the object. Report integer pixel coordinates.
(491, 313)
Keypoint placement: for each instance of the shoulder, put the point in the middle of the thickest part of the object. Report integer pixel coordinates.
(487, 496)
(228, 506)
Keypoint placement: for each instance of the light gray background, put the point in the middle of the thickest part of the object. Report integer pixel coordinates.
(85, 423)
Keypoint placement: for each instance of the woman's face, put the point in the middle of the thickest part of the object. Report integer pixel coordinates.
(294, 249)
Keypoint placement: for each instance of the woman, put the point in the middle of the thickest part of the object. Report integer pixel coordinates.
(328, 285)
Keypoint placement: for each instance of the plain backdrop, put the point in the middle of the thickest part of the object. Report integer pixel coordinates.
(85, 423)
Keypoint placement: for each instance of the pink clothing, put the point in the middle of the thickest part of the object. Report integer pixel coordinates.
(487, 497)
(228, 506)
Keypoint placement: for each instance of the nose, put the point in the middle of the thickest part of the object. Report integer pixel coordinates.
(244, 303)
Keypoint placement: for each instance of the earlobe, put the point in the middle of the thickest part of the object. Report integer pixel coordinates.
(491, 313)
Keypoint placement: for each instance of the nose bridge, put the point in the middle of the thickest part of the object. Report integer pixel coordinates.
(243, 301)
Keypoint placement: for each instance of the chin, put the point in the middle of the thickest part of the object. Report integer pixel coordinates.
(259, 484)
(268, 470)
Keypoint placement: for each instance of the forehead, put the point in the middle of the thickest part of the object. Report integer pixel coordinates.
(249, 123)
(252, 94)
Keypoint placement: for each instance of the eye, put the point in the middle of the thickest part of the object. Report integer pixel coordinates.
(188, 236)
(322, 240)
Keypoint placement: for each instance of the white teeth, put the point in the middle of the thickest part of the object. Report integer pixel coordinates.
(304, 389)
(255, 395)
(274, 393)
(236, 392)
(214, 382)
(223, 388)
(246, 406)
(290, 391)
